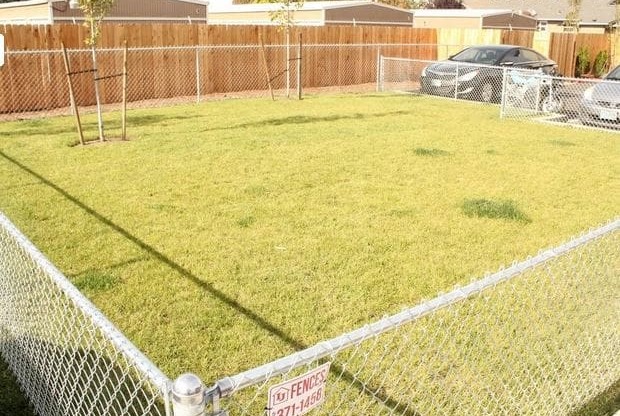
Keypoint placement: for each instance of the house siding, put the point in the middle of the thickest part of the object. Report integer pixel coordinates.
(36, 13)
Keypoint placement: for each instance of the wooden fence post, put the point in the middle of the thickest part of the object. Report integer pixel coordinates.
(262, 47)
(71, 95)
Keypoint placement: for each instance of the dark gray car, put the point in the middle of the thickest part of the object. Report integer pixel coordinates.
(600, 104)
(476, 73)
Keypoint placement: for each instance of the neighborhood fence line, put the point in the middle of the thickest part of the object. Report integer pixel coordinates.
(36, 82)
(537, 338)
(66, 356)
(562, 47)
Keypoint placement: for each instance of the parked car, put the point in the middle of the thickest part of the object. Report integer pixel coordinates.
(476, 72)
(600, 104)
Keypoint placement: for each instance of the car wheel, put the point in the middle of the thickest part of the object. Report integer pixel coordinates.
(425, 87)
(552, 104)
(487, 92)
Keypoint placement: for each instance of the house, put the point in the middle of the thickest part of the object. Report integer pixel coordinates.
(596, 15)
(311, 13)
(473, 19)
(123, 11)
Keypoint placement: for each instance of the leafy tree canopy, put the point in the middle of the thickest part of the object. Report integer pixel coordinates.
(94, 12)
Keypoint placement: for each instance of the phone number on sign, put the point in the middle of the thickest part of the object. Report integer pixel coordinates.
(303, 405)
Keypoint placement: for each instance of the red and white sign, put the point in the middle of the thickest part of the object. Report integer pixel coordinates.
(298, 396)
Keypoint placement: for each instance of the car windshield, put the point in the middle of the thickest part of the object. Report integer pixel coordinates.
(614, 75)
(486, 56)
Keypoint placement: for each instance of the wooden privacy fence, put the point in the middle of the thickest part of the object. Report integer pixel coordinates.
(564, 48)
(36, 80)
(170, 60)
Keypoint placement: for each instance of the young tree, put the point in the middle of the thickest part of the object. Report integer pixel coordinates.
(94, 12)
(445, 4)
(615, 36)
(573, 15)
(419, 4)
(284, 16)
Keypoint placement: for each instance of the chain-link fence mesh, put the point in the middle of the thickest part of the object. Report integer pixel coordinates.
(571, 101)
(539, 338)
(522, 93)
(35, 83)
(454, 80)
(67, 358)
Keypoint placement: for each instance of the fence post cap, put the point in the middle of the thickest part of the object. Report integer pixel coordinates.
(188, 389)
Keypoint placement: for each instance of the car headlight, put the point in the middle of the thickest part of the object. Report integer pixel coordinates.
(587, 95)
(424, 71)
(468, 76)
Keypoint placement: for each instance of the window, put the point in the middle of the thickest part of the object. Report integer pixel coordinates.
(541, 25)
(527, 55)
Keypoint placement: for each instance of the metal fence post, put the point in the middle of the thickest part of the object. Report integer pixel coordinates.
(502, 105)
(188, 396)
(456, 83)
(379, 70)
(197, 75)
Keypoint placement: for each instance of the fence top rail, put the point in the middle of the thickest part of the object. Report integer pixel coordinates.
(229, 385)
(227, 46)
(126, 347)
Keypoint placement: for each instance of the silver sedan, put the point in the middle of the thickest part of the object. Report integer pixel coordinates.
(600, 104)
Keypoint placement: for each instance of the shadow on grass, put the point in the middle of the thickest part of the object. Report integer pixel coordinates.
(100, 280)
(102, 380)
(38, 129)
(605, 404)
(147, 119)
(261, 322)
(486, 208)
(280, 121)
(561, 143)
(33, 128)
(422, 151)
(12, 400)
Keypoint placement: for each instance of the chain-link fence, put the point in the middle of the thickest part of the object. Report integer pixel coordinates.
(521, 93)
(571, 101)
(36, 84)
(67, 357)
(538, 338)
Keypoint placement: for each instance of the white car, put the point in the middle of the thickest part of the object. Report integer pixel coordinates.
(600, 104)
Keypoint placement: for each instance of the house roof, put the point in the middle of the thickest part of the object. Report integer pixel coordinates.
(35, 2)
(225, 6)
(592, 12)
(460, 12)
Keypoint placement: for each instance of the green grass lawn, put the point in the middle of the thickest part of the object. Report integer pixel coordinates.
(226, 234)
